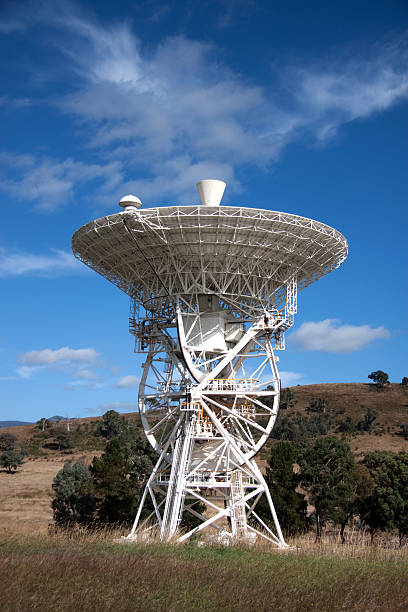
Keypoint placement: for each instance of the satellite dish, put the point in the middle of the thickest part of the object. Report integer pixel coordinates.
(213, 290)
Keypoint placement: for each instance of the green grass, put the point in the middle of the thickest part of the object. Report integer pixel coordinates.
(93, 573)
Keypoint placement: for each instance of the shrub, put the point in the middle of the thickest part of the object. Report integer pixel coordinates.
(73, 501)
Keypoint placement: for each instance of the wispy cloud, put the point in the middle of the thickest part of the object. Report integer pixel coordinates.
(33, 362)
(127, 381)
(86, 375)
(16, 103)
(333, 337)
(23, 263)
(66, 354)
(51, 183)
(189, 113)
(85, 379)
(290, 378)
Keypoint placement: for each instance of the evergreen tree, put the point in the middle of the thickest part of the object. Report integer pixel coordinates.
(353, 499)
(114, 491)
(387, 507)
(287, 399)
(73, 501)
(325, 473)
(112, 425)
(64, 441)
(109, 491)
(290, 505)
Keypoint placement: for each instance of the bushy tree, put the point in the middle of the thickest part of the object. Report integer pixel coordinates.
(380, 379)
(109, 491)
(73, 501)
(404, 381)
(317, 405)
(8, 441)
(296, 427)
(291, 506)
(368, 420)
(114, 492)
(11, 456)
(12, 459)
(287, 399)
(353, 499)
(64, 441)
(44, 424)
(325, 473)
(404, 430)
(346, 426)
(387, 507)
(112, 425)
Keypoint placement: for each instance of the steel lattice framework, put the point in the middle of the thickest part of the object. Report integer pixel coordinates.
(213, 290)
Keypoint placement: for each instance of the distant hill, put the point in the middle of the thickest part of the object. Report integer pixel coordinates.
(53, 419)
(344, 404)
(351, 400)
(14, 423)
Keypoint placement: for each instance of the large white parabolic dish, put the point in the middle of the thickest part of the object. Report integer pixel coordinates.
(244, 253)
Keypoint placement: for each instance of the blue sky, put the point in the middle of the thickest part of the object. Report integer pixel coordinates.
(300, 107)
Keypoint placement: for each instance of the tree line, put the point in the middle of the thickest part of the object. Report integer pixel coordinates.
(373, 492)
(322, 473)
(109, 490)
(306, 465)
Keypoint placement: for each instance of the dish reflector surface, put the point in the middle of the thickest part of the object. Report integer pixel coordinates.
(245, 253)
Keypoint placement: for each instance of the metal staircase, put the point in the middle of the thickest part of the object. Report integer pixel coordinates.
(182, 453)
(238, 513)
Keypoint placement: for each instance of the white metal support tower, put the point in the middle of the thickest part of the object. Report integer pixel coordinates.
(213, 290)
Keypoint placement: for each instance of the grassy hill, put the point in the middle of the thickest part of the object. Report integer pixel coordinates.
(352, 400)
(342, 401)
(27, 494)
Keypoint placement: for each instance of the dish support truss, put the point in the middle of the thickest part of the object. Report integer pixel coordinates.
(208, 400)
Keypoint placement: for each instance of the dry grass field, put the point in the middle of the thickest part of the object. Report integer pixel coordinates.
(25, 500)
(81, 573)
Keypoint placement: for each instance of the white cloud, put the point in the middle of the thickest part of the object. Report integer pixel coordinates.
(331, 96)
(289, 378)
(85, 379)
(27, 372)
(20, 263)
(128, 381)
(47, 357)
(52, 183)
(86, 375)
(333, 337)
(187, 111)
